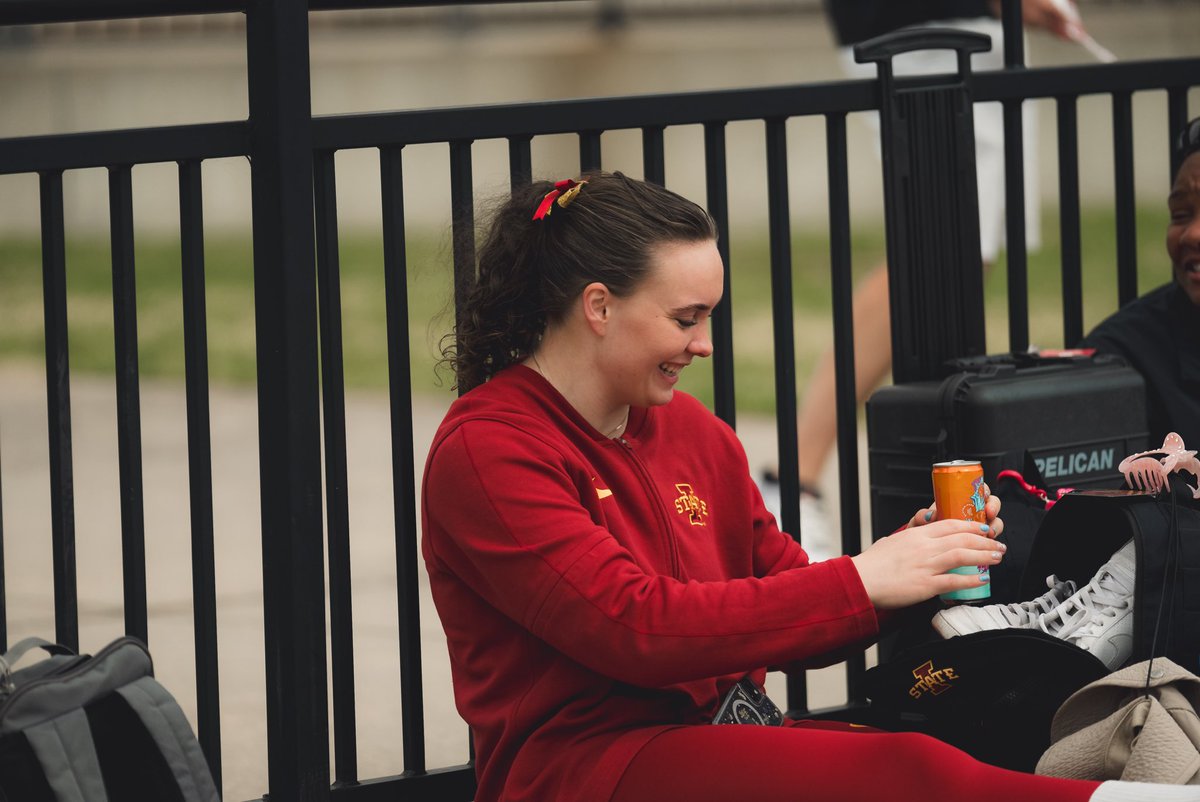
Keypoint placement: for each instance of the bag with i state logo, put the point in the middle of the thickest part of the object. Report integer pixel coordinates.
(994, 693)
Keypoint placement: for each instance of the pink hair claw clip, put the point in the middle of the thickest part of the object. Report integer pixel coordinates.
(1148, 470)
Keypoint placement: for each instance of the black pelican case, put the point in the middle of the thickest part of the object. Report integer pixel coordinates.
(1066, 419)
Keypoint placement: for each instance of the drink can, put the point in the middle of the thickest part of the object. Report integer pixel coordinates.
(958, 494)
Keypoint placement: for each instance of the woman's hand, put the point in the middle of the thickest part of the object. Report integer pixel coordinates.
(1056, 16)
(910, 566)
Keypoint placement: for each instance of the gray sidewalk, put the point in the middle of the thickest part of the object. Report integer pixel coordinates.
(24, 471)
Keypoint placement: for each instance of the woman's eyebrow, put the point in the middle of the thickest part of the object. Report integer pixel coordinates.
(691, 308)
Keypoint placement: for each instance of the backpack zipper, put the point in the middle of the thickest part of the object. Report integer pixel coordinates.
(74, 668)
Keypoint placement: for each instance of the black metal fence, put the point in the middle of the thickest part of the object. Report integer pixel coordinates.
(292, 157)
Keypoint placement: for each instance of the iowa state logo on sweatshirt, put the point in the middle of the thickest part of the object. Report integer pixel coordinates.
(688, 503)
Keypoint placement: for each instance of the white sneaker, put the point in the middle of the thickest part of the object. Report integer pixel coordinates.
(1099, 616)
(965, 619)
(818, 536)
(768, 486)
(1120, 791)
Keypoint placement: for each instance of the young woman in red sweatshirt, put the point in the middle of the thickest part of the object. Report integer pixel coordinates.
(602, 562)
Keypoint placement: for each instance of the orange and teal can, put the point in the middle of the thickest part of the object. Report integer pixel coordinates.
(958, 494)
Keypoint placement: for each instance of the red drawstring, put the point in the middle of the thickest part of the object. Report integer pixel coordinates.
(1035, 491)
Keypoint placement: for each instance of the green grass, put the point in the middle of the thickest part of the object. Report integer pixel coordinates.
(230, 310)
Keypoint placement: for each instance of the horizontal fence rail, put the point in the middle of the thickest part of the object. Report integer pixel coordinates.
(427, 126)
(34, 12)
(388, 133)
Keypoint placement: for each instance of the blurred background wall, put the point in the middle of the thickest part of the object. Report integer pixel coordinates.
(134, 73)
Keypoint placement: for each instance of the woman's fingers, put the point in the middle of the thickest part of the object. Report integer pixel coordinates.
(951, 582)
(962, 557)
(921, 517)
(953, 527)
(991, 507)
(910, 566)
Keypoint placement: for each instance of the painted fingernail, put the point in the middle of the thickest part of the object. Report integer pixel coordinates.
(996, 555)
(984, 528)
(928, 516)
(984, 579)
(1003, 547)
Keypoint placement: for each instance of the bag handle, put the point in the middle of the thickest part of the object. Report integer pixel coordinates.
(1034, 490)
(1171, 565)
(19, 650)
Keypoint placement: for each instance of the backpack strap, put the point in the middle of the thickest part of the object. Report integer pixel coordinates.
(67, 756)
(167, 725)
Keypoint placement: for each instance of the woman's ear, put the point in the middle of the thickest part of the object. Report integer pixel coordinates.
(596, 298)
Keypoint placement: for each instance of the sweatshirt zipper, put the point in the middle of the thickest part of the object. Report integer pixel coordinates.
(663, 520)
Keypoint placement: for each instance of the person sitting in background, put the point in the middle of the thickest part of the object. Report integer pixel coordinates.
(1159, 333)
(606, 573)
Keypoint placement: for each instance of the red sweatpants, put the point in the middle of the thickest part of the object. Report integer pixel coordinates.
(807, 761)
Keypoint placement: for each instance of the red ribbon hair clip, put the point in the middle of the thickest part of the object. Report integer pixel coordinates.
(564, 192)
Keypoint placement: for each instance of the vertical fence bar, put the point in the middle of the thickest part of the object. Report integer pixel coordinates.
(337, 507)
(1014, 39)
(520, 162)
(717, 186)
(1068, 220)
(1014, 216)
(58, 411)
(3, 590)
(462, 222)
(288, 399)
(129, 425)
(1122, 110)
(1014, 184)
(843, 358)
(779, 222)
(654, 160)
(195, 354)
(1177, 117)
(589, 151)
(403, 474)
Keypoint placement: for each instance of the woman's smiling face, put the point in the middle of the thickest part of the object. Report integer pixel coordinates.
(1183, 230)
(663, 325)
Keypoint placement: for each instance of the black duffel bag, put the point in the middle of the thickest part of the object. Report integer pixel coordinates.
(994, 693)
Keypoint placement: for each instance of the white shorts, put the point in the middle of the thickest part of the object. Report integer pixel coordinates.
(989, 129)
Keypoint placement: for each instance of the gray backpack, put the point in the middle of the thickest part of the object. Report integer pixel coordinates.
(80, 728)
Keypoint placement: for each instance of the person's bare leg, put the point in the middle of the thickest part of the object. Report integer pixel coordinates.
(816, 423)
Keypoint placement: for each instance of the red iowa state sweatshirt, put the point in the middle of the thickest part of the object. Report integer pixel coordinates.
(595, 592)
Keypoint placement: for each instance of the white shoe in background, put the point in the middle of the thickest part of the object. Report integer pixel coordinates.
(1121, 791)
(818, 535)
(1099, 616)
(965, 619)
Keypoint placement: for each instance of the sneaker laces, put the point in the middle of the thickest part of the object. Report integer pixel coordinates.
(1027, 613)
(1085, 611)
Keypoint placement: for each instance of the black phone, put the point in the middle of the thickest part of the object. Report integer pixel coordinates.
(746, 703)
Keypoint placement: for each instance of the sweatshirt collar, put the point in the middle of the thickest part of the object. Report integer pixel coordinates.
(545, 391)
